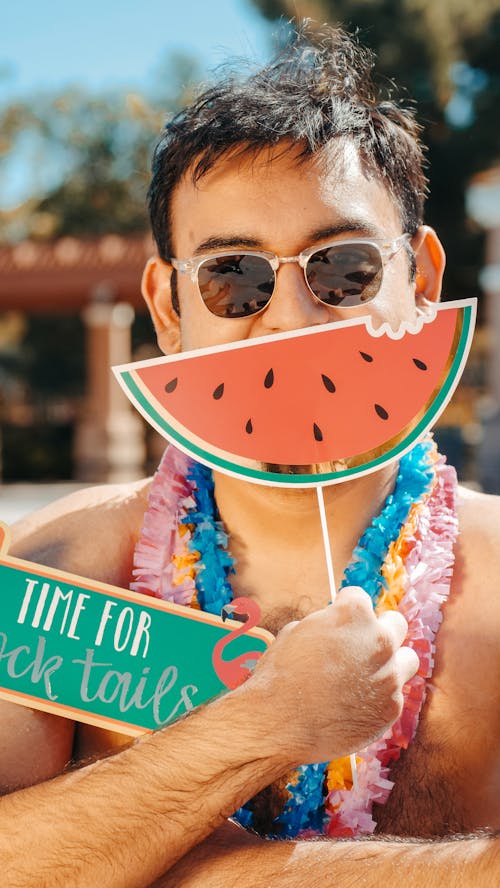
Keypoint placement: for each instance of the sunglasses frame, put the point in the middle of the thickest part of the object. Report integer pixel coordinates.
(386, 249)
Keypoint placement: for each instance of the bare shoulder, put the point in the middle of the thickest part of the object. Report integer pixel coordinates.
(479, 553)
(463, 714)
(479, 522)
(91, 532)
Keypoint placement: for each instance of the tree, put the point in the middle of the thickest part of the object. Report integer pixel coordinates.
(85, 163)
(86, 158)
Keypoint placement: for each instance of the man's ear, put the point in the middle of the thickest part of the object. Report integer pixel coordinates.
(430, 261)
(156, 289)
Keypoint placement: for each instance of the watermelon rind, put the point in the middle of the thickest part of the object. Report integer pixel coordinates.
(253, 473)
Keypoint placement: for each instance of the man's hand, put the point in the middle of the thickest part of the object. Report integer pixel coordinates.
(334, 679)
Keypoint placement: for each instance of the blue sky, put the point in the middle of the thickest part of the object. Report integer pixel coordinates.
(101, 44)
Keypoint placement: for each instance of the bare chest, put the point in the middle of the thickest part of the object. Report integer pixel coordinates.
(442, 787)
(448, 780)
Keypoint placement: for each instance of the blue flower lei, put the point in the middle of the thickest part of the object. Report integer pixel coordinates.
(304, 809)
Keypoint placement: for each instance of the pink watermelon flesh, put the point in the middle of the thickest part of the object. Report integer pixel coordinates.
(308, 399)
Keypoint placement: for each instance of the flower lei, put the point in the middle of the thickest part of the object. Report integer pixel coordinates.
(404, 561)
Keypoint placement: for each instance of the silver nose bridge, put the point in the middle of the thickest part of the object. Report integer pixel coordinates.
(299, 260)
(276, 261)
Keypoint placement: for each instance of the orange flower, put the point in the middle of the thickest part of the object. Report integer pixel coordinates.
(339, 773)
(185, 566)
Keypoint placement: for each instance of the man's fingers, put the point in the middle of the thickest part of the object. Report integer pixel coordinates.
(352, 603)
(395, 624)
(407, 663)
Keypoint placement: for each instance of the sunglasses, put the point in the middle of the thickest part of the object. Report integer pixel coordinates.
(237, 285)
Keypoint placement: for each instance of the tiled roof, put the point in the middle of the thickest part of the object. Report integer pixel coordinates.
(67, 274)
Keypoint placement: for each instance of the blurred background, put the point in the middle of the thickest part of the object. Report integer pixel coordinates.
(83, 94)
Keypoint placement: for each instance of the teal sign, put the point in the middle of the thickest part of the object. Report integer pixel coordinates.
(110, 657)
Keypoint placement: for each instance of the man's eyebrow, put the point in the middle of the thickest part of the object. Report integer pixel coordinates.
(350, 226)
(221, 243)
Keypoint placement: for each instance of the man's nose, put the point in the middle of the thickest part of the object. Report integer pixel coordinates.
(292, 305)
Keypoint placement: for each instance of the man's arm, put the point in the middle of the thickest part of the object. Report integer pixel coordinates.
(125, 820)
(232, 858)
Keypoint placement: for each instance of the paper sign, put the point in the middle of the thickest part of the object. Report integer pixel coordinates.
(103, 655)
(309, 407)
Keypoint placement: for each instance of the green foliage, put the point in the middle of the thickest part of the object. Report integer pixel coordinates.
(86, 158)
(37, 452)
(411, 37)
(85, 163)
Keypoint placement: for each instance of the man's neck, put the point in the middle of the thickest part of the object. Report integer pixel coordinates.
(277, 540)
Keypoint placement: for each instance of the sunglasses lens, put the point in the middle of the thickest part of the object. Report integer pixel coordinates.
(236, 286)
(345, 274)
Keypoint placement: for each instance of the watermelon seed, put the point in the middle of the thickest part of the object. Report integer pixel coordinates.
(269, 378)
(327, 382)
(170, 386)
(249, 427)
(419, 364)
(381, 412)
(366, 357)
(218, 392)
(318, 434)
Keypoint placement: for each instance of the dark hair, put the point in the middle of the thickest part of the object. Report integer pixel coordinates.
(318, 88)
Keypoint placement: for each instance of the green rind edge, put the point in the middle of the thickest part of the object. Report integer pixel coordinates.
(278, 478)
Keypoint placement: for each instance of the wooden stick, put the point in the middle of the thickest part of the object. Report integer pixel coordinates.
(326, 543)
(333, 593)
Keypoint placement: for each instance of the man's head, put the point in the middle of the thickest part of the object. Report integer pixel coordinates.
(313, 110)
(318, 89)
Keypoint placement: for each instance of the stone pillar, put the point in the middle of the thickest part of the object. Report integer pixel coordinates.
(109, 439)
(490, 284)
(483, 206)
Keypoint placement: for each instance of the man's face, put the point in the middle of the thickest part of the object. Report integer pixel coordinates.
(271, 202)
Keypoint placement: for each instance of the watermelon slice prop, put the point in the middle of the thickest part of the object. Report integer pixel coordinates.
(311, 407)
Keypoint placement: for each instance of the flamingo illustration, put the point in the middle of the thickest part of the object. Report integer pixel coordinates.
(232, 673)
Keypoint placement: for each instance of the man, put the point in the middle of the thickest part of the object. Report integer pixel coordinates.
(300, 157)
